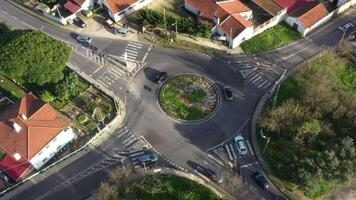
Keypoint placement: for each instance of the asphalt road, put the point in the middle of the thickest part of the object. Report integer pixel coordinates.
(249, 76)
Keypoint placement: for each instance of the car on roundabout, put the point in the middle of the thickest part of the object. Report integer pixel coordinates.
(240, 145)
(260, 180)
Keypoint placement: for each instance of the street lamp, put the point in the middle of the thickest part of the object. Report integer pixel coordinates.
(267, 138)
(176, 24)
(278, 85)
(342, 38)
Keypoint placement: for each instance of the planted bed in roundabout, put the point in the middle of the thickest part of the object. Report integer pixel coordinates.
(189, 98)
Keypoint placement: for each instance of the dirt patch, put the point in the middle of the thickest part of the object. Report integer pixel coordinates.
(347, 192)
(173, 7)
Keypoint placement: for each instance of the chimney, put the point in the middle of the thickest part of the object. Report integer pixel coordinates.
(17, 156)
(24, 117)
(16, 127)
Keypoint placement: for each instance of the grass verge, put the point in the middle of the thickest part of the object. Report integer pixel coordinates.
(162, 187)
(182, 44)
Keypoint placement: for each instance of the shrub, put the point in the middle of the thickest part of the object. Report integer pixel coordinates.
(82, 118)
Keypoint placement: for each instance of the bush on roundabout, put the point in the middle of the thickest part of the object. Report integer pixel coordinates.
(188, 97)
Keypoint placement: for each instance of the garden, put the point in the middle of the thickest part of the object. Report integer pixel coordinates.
(38, 65)
(312, 147)
(271, 38)
(188, 97)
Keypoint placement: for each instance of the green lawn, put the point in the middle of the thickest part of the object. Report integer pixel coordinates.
(274, 37)
(161, 187)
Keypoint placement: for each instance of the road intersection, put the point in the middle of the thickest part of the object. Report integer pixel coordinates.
(249, 76)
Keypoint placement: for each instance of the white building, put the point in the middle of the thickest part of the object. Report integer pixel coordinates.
(230, 18)
(118, 9)
(31, 133)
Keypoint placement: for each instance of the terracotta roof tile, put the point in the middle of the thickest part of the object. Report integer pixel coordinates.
(310, 14)
(234, 25)
(117, 6)
(292, 5)
(42, 125)
(270, 6)
(209, 8)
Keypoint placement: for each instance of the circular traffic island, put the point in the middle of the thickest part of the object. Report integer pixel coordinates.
(188, 97)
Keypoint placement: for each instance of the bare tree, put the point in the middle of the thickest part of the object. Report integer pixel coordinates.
(107, 192)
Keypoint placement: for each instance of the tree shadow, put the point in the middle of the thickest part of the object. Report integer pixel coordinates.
(151, 73)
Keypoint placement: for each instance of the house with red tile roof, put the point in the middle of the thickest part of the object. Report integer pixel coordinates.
(292, 5)
(118, 9)
(308, 17)
(31, 133)
(230, 18)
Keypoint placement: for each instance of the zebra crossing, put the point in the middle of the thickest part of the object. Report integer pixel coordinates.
(134, 50)
(252, 76)
(126, 138)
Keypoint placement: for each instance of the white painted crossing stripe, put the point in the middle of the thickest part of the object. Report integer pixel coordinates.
(134, 46)
(116, 70)
(250, 75)
(254, 77)
(258, 80)
(132, 54)
(137, 43)
(129, 57)
(131, 51)
(268, 84)
(263, 83)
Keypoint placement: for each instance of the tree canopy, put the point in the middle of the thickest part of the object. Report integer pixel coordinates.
(34, 57)
(312, 127)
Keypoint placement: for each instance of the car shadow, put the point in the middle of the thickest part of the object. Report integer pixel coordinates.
(150, 73)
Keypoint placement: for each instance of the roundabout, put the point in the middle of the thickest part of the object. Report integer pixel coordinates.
(189, 98)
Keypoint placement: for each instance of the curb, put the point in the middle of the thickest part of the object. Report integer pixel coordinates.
(257, 111)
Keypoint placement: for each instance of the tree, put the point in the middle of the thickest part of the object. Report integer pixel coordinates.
(67, 87)
(47, 96)
(107, 192)
(34, 57)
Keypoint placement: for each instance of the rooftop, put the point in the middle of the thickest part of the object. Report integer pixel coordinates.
(310, 14)
(28, 125)
(292, 5)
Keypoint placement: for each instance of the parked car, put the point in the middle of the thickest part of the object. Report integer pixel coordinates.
(109, 24)
(210, 174)
(260, 180)
(228, 93)
(121, 31)
(279, 198)
(147, 158)
(84, 39)
(159, 78)
(79, 22)
(240, 145)
(346, 27)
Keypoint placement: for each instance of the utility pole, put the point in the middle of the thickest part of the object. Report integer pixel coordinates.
(342, 38)
(176, 30)
(278, 85)
(164, 16)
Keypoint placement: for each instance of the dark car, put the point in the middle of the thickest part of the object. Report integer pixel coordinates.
(279, 198)
(159, 78)
(79, 22)
(147, 158)
(228, 93)
(260, 180)
(210, 174)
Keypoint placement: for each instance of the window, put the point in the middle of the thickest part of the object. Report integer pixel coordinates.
(45, 160)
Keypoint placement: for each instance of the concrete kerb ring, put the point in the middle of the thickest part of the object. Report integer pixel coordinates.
(200, 121)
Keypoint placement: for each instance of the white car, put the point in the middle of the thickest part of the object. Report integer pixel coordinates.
(240, 145)
(346, 27)
(84, 39)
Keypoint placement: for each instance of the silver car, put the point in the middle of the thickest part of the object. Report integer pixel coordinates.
(84, 39)
(240, 145)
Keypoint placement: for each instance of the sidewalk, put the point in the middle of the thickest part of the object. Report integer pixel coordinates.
(95, 28)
